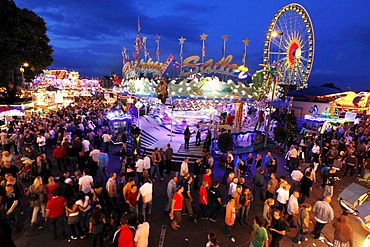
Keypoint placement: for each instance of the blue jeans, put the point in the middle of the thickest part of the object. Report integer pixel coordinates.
(85, 219)
(244, 212)
(13, 219)
(57, 223)
(144, 207)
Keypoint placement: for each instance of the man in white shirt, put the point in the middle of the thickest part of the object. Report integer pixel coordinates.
(85, 145)
(106, 139)
(41, 142)
(296, 176)
(146, 193)
(94, 154)
(292, 158)
(293, 208)
(139, 168)
(111, 187)
(146, 162)
(86, 182)
(184, 169)
(142, 233)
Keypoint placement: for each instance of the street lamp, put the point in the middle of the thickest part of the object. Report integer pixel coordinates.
(274, 34)
(24, 65)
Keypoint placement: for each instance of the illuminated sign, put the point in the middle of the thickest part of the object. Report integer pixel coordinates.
(223, 66)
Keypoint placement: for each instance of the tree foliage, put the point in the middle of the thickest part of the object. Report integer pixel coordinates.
(225, 142)
(288, 132)
(22, 39)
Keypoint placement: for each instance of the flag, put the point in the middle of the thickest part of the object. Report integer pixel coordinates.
(203, 49)
(137, 46)
(157, 53)
(157, 38)
(125, 58)
(181, 51)
(138, 24)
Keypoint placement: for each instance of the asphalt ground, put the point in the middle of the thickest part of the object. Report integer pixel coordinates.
(192, 234)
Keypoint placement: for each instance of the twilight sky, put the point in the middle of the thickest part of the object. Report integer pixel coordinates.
(89, 36)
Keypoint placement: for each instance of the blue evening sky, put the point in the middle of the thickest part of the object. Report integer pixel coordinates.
(88, 36)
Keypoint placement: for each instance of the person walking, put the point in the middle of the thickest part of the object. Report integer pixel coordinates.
(124, 236)
(171, 190)
(203, 202)
(272, 186)
(198, 136)
(111, 187)
(259, 183)
(36, 193)
(323, 213)
(156, 159)
(343, 233)
(293, 208)
(215, 201)
(267, 211)
(306, 187)
(187, 135)
(96, 226)
(176, 207)
(54, 214)
(258, 236)
(230, 217)
(59, 154)
(146, 194)
(303, 221)
(142, 233)
(278, 228)
(246, 200)
(168, 153)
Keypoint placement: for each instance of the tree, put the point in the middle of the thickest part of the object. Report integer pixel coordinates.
(22, 39)
(225, 142)
(291, 127)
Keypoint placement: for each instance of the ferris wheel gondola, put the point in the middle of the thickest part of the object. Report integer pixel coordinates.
(289, 45)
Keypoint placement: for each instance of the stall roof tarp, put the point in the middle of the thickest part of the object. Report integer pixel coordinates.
(314, 91)
(5, 109)
(8, 111)
(352, 193)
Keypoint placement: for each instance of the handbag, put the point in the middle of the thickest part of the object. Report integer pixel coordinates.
(73, 219)
(304, 231)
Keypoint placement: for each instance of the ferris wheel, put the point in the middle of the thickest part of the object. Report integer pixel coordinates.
(290, 45)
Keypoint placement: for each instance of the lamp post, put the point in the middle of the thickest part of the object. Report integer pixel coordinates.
(274, 34)
(22, 71)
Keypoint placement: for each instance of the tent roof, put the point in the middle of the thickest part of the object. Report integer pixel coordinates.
(314, 91)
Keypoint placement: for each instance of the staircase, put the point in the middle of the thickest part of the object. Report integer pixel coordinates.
(154, 135)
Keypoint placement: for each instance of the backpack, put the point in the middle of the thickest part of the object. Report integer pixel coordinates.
(34, 197)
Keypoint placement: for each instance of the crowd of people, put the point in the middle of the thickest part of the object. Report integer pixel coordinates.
(65, 157)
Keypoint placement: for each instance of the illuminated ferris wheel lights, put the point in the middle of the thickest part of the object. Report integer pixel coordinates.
(276, 33)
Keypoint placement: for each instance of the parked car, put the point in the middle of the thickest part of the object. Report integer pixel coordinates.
(354, 200)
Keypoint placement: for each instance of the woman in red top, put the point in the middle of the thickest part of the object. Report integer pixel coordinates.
(203, 201)
(176, 207)
(50, 187)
